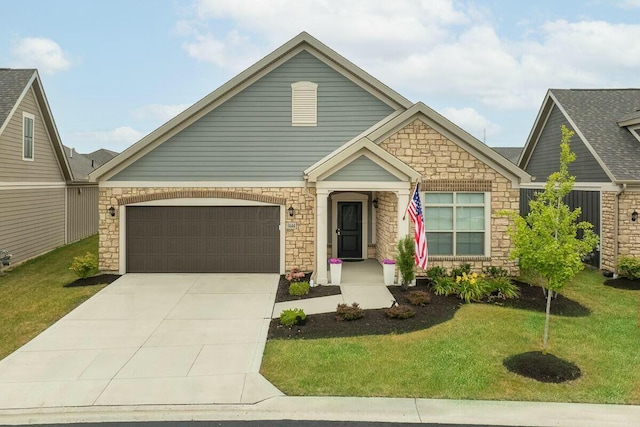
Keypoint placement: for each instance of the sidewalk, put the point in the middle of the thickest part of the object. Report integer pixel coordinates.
(351, 409)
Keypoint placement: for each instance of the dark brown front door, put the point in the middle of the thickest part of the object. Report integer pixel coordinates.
(203, 239)
(349, 230)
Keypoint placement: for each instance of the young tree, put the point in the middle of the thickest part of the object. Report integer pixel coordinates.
(405, 260)
(546, 241)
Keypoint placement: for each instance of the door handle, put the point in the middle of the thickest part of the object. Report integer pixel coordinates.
(338, 231)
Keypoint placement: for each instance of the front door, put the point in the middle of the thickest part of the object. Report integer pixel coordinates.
(349, 230)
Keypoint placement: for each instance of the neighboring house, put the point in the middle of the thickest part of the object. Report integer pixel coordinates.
(42, 205)
(301, 157)
(606, 123)
(510, 153)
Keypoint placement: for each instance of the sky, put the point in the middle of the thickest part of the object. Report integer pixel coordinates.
(115, 70)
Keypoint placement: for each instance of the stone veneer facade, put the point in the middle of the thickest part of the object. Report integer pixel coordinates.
(445, 166)
(628, 231)
(299, 243)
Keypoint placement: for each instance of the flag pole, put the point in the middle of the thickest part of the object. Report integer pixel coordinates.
(409, 202)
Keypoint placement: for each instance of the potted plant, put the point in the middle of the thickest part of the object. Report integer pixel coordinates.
(335, 266)
(389, 271)
(405, 260)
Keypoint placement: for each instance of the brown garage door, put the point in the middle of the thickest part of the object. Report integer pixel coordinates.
(203, 239)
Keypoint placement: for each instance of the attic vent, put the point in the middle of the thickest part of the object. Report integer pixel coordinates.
(304, 104)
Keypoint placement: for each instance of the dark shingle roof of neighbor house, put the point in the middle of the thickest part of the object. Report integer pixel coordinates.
(510, 153)
(83, 164)
(595, 113)
(12, 84)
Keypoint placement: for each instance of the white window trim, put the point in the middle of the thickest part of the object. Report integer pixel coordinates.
(308, 118)
(487, 222)
(635, 131)
(26, 115)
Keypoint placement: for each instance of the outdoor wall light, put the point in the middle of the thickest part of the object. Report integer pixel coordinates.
(291, 211)
(112, 211)
(374, 202)
(634, 216)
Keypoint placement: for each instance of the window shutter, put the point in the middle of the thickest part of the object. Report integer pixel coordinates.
(304, 104)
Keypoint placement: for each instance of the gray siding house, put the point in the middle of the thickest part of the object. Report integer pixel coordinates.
(606, 123)
(41, 205)
(302, 157)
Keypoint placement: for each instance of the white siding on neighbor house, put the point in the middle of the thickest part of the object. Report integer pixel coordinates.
(32, 221)
(251, 138)
(45, 166)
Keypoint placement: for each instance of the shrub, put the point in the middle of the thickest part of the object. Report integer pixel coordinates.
(495, 271)
(299, 288)
(504, 287)
(292, 316)
(349, 312)
(471, 287)
(400, 312)
(435, 272)
(443, 286)
(629, 267)
(405, 260)
(295, 275)
(420, 298)
(85, 266)
(459, 271)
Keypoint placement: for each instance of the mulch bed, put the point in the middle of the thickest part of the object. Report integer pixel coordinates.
(100, 279)
(623, 283)
(439, 310)
(542, 367)
(317, 291)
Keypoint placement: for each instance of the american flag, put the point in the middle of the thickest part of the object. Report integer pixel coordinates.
(415, 212)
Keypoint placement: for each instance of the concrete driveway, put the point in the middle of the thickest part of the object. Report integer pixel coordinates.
(150, 339)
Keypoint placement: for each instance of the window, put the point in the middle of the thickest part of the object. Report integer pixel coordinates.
(27, 136)
(304, 104)
(456, 223)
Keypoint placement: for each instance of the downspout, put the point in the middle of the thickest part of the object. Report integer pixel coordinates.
(616, 226)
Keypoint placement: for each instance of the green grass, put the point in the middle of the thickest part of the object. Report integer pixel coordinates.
(33, 296)
(462, 358)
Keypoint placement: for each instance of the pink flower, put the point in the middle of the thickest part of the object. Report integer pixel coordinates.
(335, 261)
(388, 261)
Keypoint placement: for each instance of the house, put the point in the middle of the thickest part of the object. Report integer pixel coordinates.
(300, 158)
(606, 123)
(83, 164)
(42, 206)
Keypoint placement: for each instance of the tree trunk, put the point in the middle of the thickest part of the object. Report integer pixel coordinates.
(546, 323)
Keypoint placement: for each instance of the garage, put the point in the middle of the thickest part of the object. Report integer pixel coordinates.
(203, 239)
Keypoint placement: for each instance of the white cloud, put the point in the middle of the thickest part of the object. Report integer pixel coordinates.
(629, 4)
(44, 54)
(472, 121)
(115, 139)
(158, 112)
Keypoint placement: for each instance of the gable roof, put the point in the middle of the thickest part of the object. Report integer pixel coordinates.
(14, 85)
(83, 164)
(510, 153)
(302, 42)
(599, 117)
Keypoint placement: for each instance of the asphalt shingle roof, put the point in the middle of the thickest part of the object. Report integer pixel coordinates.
(12, 84)
(595, 113)
(510, 153)
(83, 164)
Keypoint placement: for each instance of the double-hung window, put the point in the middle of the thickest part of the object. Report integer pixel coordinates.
(27, 136)
(456, 223)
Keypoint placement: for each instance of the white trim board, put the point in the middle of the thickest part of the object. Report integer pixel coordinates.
(201, 184)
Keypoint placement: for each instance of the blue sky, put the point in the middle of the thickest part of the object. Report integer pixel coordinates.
(115, 70)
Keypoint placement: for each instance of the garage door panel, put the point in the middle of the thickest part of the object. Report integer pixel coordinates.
(203, 239)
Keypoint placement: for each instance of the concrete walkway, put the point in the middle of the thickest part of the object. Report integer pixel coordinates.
(150, 339)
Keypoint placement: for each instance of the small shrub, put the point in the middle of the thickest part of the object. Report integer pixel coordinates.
(629, 267)
(504, 287)
(459, 271)
(299, 288)
(405, 260)
(85, 266)
(495, 271)
(435, 272)
(400, 312)
(420, 298)
(295, 275)
(349, 312)
(443, 286)
(292, 316)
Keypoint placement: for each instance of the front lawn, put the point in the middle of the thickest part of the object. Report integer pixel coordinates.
(462, 358)
(34, 297)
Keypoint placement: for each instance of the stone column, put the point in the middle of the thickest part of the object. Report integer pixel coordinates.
(403, 217)
(322, 196)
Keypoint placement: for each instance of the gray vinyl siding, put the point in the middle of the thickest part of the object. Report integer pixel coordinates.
(362, 169)
(82, 212)
(45, 166)
(250, 136)
(545, 158)
(32, 221)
